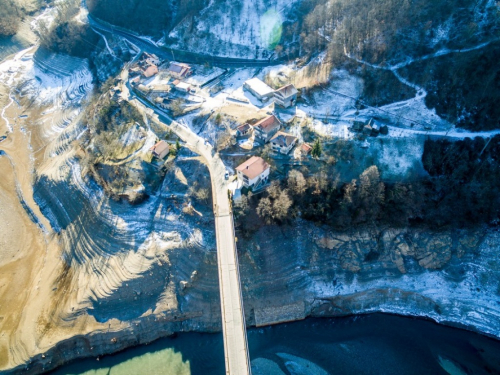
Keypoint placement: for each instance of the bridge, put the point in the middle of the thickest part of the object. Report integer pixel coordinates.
(236, 353)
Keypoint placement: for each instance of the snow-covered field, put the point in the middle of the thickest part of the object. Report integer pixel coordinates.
(241, 29)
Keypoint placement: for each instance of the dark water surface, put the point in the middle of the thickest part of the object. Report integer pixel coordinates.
(370, 344)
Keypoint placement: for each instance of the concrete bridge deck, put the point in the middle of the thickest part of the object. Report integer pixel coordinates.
(233, 316)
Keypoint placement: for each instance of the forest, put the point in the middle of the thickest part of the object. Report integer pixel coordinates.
(14, 11)
(11, 18)
(389, 31)
(67, 35)
(463, 87)
(152, 17)
(461, 190)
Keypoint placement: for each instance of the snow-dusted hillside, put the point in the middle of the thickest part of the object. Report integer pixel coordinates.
(245, 29)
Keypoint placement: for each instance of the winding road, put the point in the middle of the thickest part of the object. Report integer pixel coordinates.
(168, 53)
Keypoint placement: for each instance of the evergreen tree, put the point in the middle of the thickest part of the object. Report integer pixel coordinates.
(316, 150)
(177, 145)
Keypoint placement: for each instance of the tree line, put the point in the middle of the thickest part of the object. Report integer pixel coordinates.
(463, 88)
(14, 11)
(460, 191)
(152, 17)
(68, 35)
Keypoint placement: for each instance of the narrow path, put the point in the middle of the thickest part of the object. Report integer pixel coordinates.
(105, 41)
(422, 93)
(7, 123)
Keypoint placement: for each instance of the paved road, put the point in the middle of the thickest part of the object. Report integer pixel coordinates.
(168, 53)
(233, 317)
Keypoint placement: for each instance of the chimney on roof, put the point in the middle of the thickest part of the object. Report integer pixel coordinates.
(247, 166)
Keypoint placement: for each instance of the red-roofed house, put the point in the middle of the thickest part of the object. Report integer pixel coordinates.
(252, 172)
(305, 148)
(266, 128)
(160, 150)
(179, 70)
(150, 71)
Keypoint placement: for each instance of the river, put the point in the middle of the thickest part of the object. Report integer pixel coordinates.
(369, 344)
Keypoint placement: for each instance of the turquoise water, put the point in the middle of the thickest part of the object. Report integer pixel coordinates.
(371, 344)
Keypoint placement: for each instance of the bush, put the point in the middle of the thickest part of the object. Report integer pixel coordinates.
(68, 35)
(10, 19)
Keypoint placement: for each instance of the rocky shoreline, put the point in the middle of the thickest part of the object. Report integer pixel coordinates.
(98, 344)
(302, 290)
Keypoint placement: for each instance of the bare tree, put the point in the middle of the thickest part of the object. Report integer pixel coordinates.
(281, 206)
(296, 182)
(265, 210)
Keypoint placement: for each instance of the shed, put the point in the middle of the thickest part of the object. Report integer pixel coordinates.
(244, 129)
(183, 87)
(258, 88)
(160, 150)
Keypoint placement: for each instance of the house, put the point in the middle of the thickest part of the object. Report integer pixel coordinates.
(305, 148)
(283, 142)
(161, 89)
(143, 88)
(253, 172)
(266, 128)
(286, 96)
(134, 71)
(357, 126)
(149, 70)
(244, 129)
(367, 130)
(183, 87)
(179, 70)
(151, 58)
(160, 150)
(258, 88)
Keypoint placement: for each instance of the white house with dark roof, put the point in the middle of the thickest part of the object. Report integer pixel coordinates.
(253, 172)
(283, 142)
(266, 128)
(286, 96)
(244, 129)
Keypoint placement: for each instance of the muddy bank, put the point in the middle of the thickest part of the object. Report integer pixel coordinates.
(290, 273)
